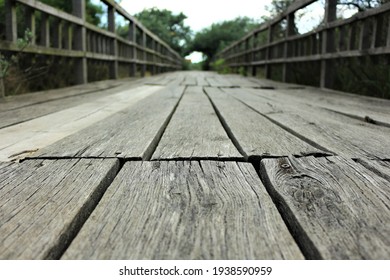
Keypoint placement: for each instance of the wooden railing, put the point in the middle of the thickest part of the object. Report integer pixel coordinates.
(366, 33)
(69, 35)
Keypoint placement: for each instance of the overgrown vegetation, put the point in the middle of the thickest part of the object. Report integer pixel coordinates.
(7, 61)
(220, 66)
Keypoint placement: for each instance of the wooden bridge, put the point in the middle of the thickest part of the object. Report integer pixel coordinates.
(193, 165)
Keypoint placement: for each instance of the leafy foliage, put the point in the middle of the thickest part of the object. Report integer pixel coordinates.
(5, 63)
(168, 26)
(213, 39)
(362, 5)
(277, 7)
(93, 12)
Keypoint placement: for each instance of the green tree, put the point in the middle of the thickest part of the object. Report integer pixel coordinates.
(213, 39)
(277, 7)
(93, 12)
(362, 5)
(167, 26)
(6, 62)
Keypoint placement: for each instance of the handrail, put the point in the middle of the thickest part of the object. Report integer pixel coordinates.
(75, 38)
(357, 36)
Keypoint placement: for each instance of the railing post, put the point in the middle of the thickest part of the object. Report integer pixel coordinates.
(67, 36)
(154, 57)
(352, 37)
(247, 58)
(290, 30)
(253, 53)
(11, 25)
(133, 38)
(57, 40)
(158, 58)
(388, 36)
(114, 43)
(45, 31)
(364, 36)
(30, 23)
(378, 28)
(328, 45)
(80, 42)
(268, 53)
(143, 68)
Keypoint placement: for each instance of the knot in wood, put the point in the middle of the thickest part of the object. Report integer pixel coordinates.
(285, 166)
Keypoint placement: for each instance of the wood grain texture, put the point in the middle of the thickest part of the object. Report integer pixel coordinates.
(379, 167)
(255, 134)
(195, 132)
(218, 81)
(336, 208)
(185, 210)
(240, 81)
(357, 106)
(201, 79)
(44, 203)
(271, 84)
(190, 80)
(162, 79)
(24, 139)
(62, 102)
(29, 99)
(132, 133)
(330, 131)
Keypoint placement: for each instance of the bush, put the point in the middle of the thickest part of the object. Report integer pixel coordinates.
(220, 66)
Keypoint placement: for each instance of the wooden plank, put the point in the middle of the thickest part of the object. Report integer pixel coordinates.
(35, 107)
(201, 79)
(158, 80)
(218, 81)
(133, 133)
(195, 132)
(185, 210)
(336, 208)
(379, 167)
(322, 128)
(189, 80)
(253, 133)
(368, 109)
(239, 81)
(28, 99)
(24, 139)
(44, 204)
(356, 106)
(177, 80)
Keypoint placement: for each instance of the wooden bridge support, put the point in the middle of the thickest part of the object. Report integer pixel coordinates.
(133, 39)
(114, 43)
(326, 80)
(144, 57)
(80, 42)
(290, 31)
(10, 21)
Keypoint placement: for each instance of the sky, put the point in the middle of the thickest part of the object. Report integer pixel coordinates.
(202, 13)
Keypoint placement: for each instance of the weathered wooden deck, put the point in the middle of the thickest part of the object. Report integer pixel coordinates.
(194, 165)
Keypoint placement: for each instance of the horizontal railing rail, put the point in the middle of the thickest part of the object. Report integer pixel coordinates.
(365, 33)
(70, 35)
